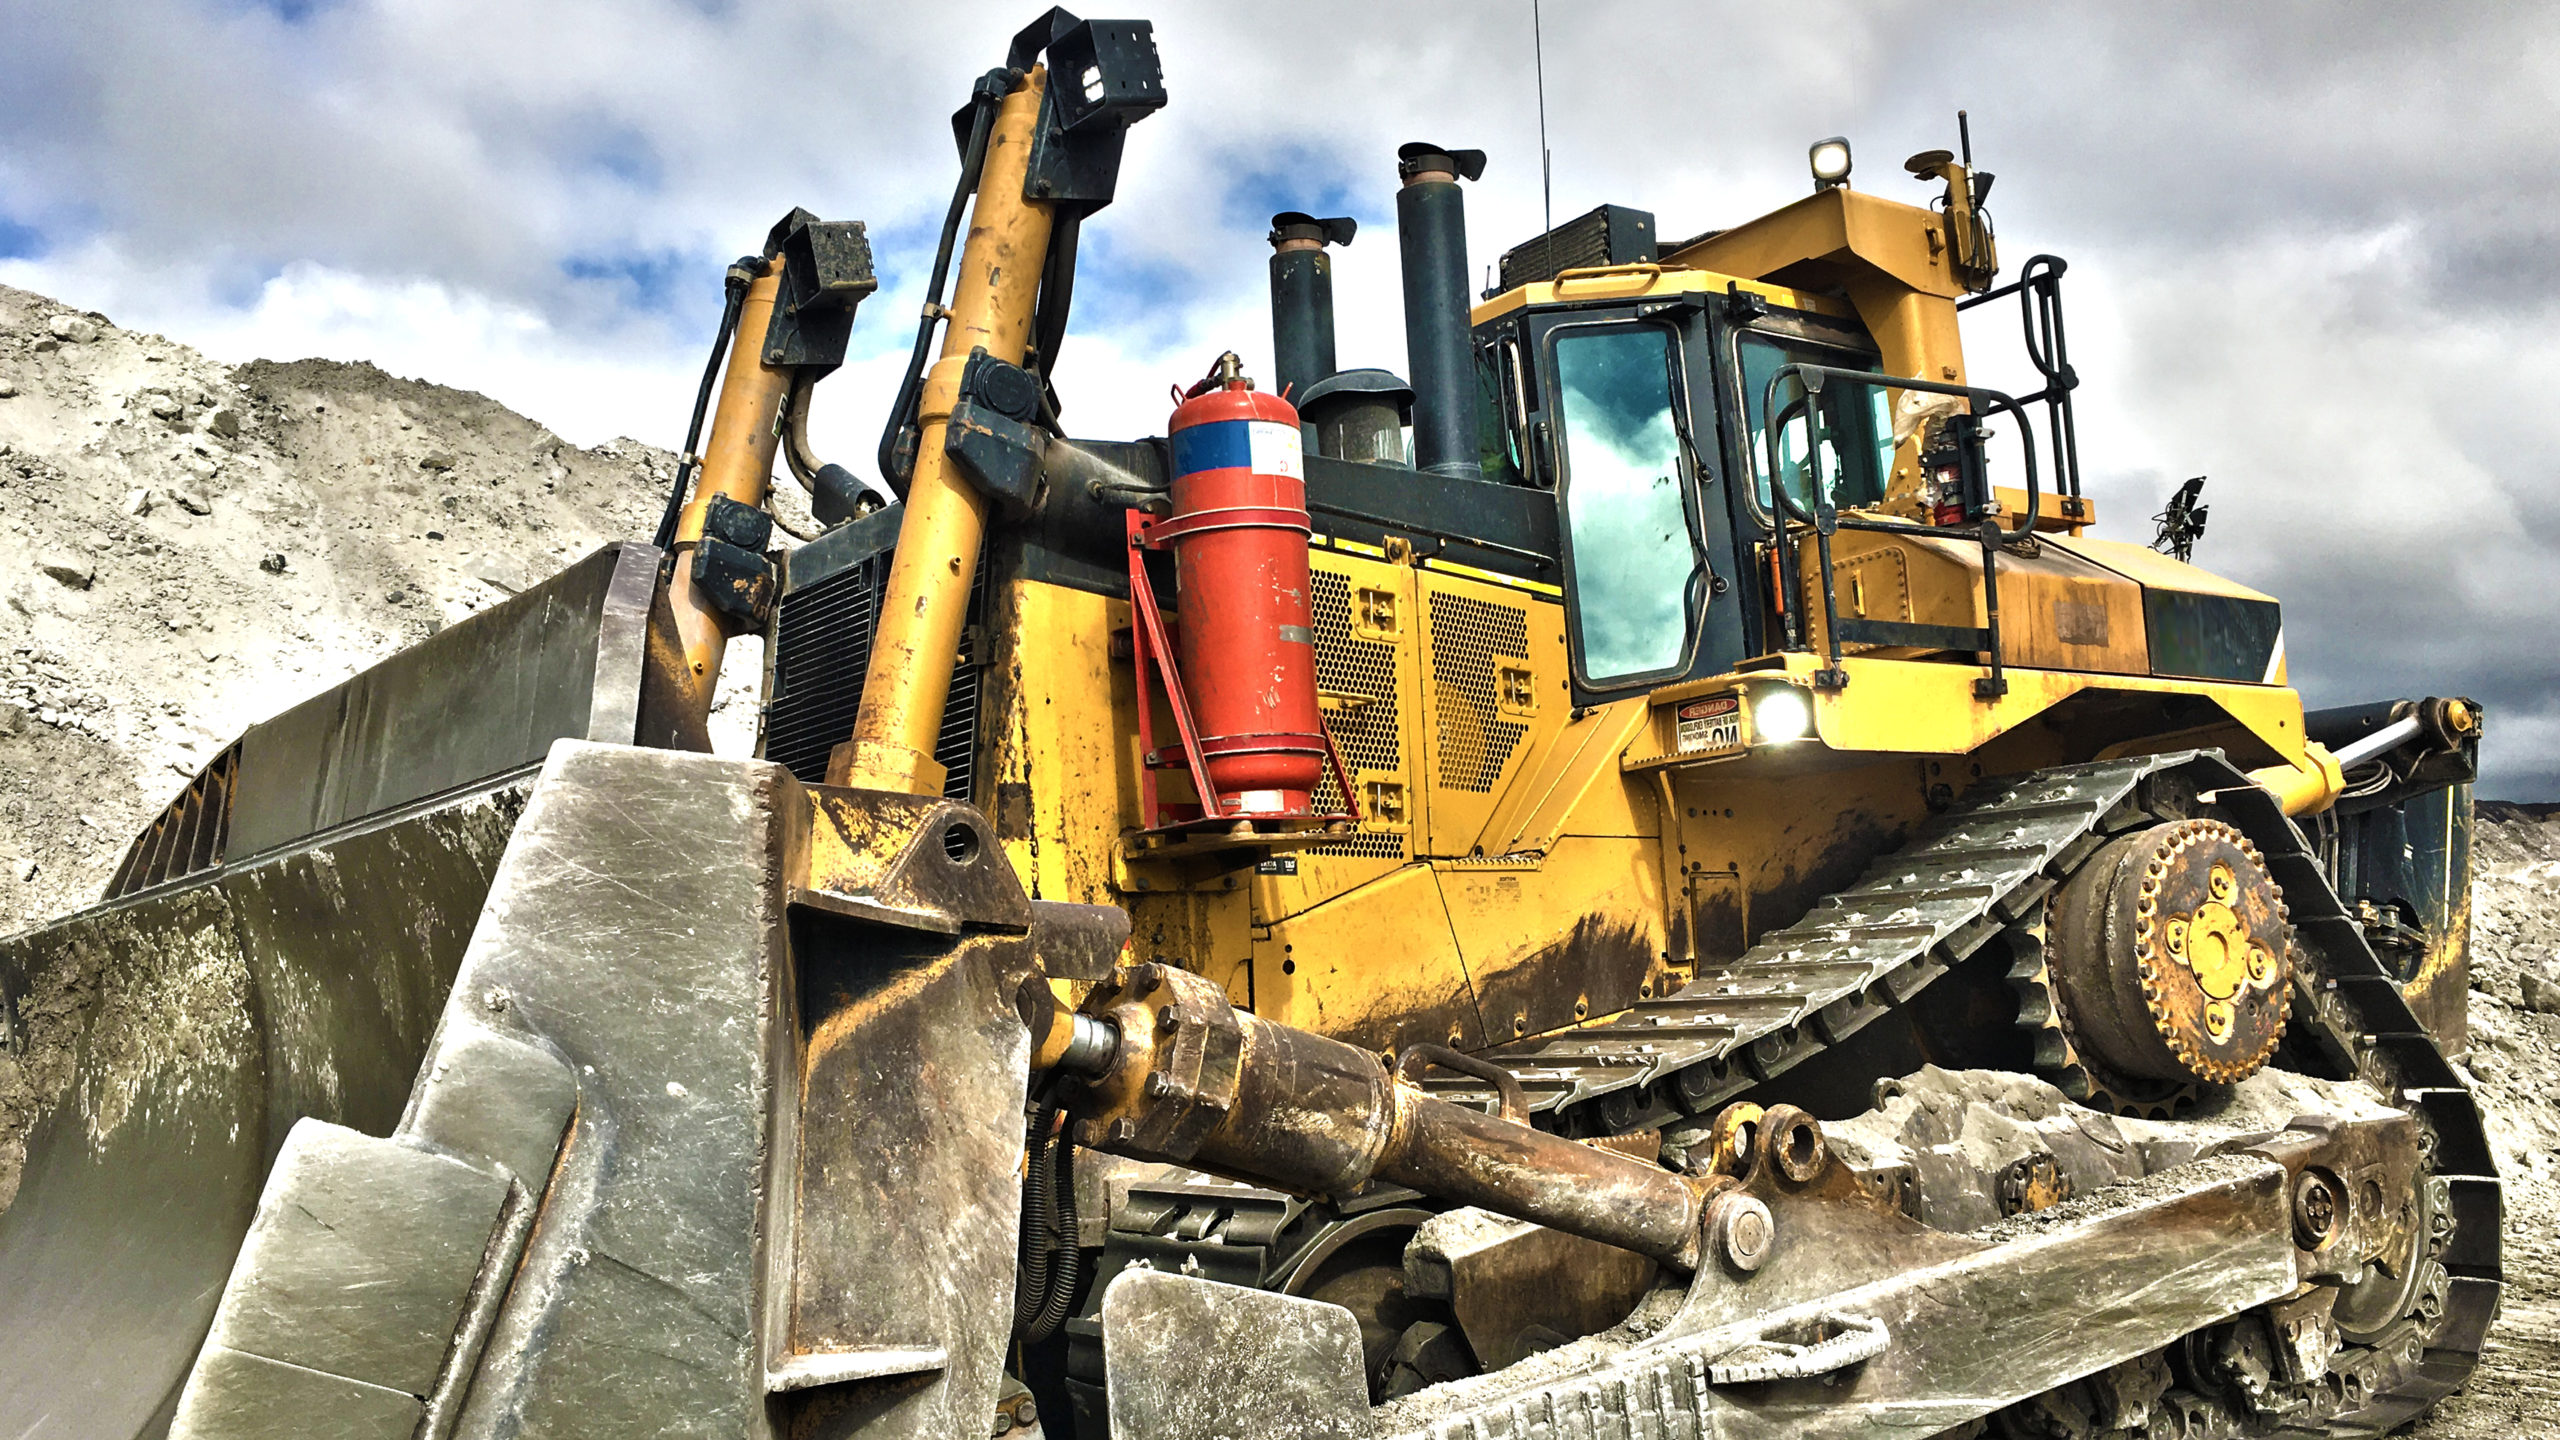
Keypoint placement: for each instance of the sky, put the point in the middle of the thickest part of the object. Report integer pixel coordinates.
(2311, 246)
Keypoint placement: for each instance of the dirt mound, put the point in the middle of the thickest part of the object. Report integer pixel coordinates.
(187, 548)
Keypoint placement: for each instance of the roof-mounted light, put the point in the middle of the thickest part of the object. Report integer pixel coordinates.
(1830, 162)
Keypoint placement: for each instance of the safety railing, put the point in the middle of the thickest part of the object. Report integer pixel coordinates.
(2039, 289)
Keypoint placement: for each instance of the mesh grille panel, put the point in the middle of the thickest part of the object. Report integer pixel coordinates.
(1467, 637)
(822, 652)
(1368, 736)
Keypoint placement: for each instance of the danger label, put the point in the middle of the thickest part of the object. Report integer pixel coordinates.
(1712, 724)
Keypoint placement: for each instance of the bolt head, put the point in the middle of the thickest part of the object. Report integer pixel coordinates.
(1742, 1230)
(2315, 1211)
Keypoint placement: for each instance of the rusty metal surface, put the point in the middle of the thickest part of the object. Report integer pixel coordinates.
(1283, 1366)
(1519, 1288)
(2421, 1316)
(1863, 1323)
(2172, 955)
(1196, 1080)
(1969, 1321)
(182, 1033)
(898, 1237)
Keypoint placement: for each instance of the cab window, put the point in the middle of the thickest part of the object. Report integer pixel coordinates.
(1856, 424)
(1626, 518)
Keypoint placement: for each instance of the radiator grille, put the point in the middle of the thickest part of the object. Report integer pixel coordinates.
(1368, 735)
(822, 651)
(1467, 637)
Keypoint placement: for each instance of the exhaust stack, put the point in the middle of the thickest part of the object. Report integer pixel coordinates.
(1302, 299)
(1431, 221)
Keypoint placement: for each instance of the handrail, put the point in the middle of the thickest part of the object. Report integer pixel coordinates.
(1824, 517)
(1595, 276)
(2039, 291)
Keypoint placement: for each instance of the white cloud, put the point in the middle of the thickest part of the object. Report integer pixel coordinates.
(2311, 241)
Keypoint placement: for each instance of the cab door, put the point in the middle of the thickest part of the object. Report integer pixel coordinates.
(1646, 538)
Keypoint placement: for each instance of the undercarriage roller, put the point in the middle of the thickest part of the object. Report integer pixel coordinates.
(1192, 1080)
(2172, 955)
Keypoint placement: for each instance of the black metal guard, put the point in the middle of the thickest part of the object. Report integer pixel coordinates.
(2039, 291)
(1824, 518)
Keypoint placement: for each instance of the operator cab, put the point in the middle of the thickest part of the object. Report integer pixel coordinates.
(1640, 396)
(1692, 406)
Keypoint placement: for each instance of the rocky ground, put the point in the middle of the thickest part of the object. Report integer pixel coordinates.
(187, 548)
(2515, 1054)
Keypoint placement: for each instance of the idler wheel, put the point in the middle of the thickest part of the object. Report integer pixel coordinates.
(2172, 955)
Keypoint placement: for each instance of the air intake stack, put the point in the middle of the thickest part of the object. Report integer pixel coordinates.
(1431, 221)
(1302, 298)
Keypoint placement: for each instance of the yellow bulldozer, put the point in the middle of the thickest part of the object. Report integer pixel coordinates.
(1652, 877)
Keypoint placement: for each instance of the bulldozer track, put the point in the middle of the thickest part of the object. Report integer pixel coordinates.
(1985, 866)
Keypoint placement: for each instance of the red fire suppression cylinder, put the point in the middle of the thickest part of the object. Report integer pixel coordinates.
(1246, 644)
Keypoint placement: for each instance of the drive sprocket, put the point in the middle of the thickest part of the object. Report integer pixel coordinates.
(2171, 956)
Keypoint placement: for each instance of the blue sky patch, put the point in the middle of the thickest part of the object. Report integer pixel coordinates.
(291, 12)
(1298, 177)
(19, 240)
(683, 287)
(622, 153)
(1142, 300)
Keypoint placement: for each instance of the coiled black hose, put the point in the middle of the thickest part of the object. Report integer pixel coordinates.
(1051, 1268)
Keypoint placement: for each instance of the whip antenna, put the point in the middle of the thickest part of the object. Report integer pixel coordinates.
(1546, 161)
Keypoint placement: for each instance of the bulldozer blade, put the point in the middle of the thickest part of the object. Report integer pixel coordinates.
(718, 1134)
(216, 1014)
(282, 955)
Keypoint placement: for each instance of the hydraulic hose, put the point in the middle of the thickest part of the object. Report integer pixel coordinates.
(1051, 1262)
(741, 274)
(1066, 1265)
(1037, 1248)
(983, 102)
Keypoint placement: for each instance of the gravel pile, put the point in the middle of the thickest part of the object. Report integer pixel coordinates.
(2515, 1055)
(187, 548)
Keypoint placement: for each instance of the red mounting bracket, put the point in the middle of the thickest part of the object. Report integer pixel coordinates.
(1151, 648)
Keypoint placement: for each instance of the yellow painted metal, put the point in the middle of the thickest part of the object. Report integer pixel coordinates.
(1207, 929)
(1574, 785)
(1756, 850)
(2149, 566)
(2055, 514)
(1507, 582)
(1576, 933)
(1378, 967)
(920, 620)
(1494, 690)
(1065, 742)
(1927, 707)
(2057, 610)
(1369, 686)
(1651, 281)
(737, 461)
(2307, 785)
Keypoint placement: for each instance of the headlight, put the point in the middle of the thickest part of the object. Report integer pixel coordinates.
(1781, 714)
(1830, 162)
